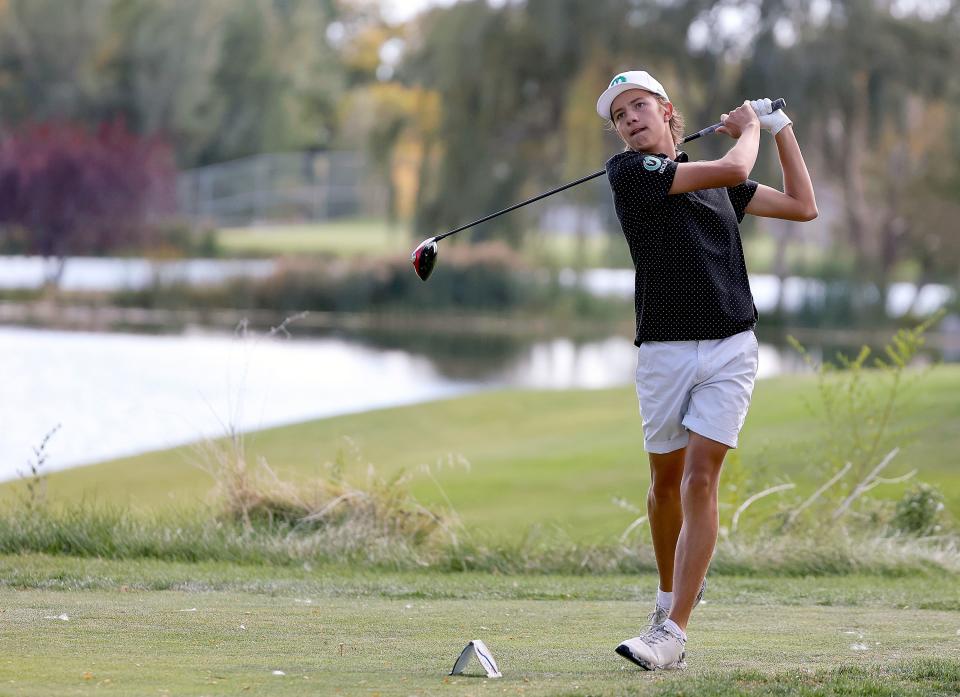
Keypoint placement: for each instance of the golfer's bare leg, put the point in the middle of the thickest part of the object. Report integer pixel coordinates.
(698, 537)
(665, 511)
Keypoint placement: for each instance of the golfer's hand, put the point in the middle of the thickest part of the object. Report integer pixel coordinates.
(770, 120)
(737, 120)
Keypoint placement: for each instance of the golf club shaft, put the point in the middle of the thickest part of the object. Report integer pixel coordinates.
(524, 203)
(778, 104)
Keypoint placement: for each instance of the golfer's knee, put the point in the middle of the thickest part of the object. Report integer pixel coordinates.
(699, 484)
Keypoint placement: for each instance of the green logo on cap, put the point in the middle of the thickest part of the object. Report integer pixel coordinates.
(651, 163)
(618, 79)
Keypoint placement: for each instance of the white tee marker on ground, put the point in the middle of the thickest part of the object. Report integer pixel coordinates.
(479, 649)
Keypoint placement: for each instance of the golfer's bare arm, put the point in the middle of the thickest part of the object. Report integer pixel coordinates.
(796, 201)
(731, 169)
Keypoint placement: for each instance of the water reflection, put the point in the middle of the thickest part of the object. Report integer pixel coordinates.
(561, 363)
(117, 394)
(471, 357)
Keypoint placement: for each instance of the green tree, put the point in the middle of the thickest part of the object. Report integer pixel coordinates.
(857, 76)
(220, 79)
(49, 60)
(272, 82)
(507, 77)
(160, 59)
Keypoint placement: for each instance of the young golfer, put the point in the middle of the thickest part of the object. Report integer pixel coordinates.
(697, 353)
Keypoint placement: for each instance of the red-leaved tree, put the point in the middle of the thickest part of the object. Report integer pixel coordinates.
(68, 190)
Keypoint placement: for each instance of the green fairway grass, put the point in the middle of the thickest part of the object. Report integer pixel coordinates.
(553, 459)
(158, 628)
(341, 238)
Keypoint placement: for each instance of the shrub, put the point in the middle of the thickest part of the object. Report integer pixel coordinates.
(919, 511)
(860, 435)
(481, 278)
(77, 191)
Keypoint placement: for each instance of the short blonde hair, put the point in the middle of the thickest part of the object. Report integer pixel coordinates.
(677, 122)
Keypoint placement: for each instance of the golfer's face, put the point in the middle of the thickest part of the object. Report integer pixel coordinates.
(638, 118)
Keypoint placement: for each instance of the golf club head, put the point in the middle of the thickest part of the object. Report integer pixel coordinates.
(424, 258)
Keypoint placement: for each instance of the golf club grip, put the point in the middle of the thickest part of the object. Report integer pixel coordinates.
(777, 105)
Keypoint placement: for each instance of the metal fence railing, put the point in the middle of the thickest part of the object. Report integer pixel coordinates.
(289, 187)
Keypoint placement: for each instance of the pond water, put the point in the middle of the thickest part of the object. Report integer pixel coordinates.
(96, 273)
(120, 394)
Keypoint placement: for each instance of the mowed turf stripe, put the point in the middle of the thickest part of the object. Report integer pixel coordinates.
(933, 591)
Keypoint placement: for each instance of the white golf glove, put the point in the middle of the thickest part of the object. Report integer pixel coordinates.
(770, 120)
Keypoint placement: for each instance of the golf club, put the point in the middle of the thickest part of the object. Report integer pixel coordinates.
(424, 257)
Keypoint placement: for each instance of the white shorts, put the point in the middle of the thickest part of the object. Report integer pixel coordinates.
(700, 386)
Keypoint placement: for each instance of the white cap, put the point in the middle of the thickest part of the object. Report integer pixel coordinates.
(631, 80)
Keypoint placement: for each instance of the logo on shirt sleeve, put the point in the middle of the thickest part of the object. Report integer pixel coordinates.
(651, 163)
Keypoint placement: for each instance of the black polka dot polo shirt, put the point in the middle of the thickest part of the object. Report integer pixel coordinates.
(691, 279)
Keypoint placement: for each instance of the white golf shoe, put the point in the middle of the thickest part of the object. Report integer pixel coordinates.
(657, 649)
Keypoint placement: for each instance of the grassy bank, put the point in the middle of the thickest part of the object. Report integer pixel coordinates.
(338, 238)
(557, 460)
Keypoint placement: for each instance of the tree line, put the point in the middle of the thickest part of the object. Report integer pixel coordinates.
(466, 108)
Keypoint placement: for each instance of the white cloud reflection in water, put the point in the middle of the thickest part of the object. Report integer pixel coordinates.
(118, 394)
